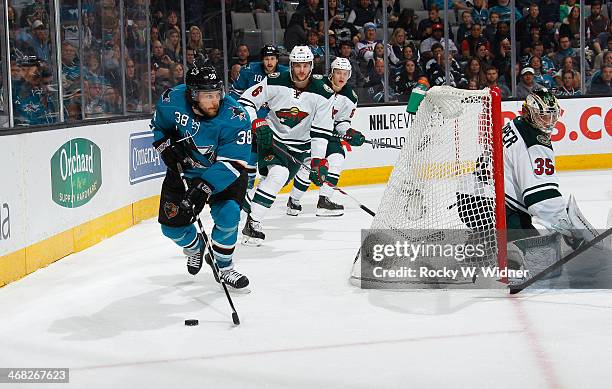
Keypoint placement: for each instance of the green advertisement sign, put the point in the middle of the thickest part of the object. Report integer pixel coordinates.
(76, 173)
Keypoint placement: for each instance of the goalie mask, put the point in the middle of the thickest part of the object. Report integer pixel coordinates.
(541, 109)
(340, 64)
(300, 54)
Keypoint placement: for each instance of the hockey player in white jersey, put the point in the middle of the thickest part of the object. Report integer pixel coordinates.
(300, 123)
(345, 102)
(531, 185)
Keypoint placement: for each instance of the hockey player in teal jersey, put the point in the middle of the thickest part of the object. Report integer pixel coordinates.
(209, 134)
(250, 75)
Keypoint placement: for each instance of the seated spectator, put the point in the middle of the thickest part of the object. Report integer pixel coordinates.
(173, 46)
(344, 31)
(94, 70)
(346, 51)
(565, 50)
(474, 72)
(464, 27)
(596, 24)
(364, 12)
(334, 49)
(407, 21)
(32, 104)
(503, 32)
(71, 68)
(409, 52)
(295, 34)
(484, 55)
(601, 57)
(171, 24)
(397, 42)
(190, 57)
(568, 64)
(470, 44)
(571, 27)
(606, 60)
(548, 66)
(160, 61)
(504, 10)
(503, 59)
(317, 51)
(313, 16)
(540, 76)
(527, 83)
(437, 72)
(567, 87)
(136, 35)
(425, 26)
(365, 47)
(379, 53)
(112, 99)
(95, 105)
(524, 26)
(526, 46)
(37, 41)
(491, 28)
(548, 36)
(375, 83)
(242, 52)
(436, 37)
(407, 79)
(177, 74)
(133, 88)
(393, 11)
(492, 80)
(194, 38)
(234, 73)
(602, 85)
(480, 13)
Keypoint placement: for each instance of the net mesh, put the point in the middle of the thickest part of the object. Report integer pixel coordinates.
(442, 180)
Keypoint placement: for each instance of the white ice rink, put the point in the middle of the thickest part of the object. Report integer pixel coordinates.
(114, 314)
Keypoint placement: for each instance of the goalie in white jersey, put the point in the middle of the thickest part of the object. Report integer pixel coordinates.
(531, 186)
(345, 102)
(300, 123)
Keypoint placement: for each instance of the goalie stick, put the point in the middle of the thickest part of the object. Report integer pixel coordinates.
(517, 288)
(215, 267)
(366, 209)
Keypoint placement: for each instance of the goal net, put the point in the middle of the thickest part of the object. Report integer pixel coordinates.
(445, 189)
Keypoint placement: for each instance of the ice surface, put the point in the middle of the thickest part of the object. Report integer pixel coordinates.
(115, 315)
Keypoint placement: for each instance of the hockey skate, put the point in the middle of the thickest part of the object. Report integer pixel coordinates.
(230, 276)
(252, 234)
(194, 259)
(293, 207)
(326, 208)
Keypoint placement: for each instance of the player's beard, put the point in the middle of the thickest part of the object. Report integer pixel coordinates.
(208, 113)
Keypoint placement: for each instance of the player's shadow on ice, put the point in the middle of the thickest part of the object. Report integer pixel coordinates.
(177, 299)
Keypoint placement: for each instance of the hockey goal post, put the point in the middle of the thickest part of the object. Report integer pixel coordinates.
(448, 177)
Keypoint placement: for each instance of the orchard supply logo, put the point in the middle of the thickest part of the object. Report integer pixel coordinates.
(145, 162)
(291, 117)
(5, 221)
(76, 173)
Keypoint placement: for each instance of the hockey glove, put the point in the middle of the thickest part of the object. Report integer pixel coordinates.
(172, 153)
(263, 132)
(198, 194)
(354, 137)
(318, 171)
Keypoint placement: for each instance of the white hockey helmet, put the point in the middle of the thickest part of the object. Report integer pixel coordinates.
(301, 54)
(342, 64)
(541, 109)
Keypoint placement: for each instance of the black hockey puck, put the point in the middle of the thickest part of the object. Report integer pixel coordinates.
(191, 322)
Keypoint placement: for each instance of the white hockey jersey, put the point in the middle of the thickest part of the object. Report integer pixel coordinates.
(530, 182)
(345, 103)
(301, 120)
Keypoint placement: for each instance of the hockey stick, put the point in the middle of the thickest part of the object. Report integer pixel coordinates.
(366, 209)
(516, 288)
(215, 267)
(381, 144)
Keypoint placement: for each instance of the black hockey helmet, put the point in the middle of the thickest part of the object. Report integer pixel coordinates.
(202, 78)
(268, 50)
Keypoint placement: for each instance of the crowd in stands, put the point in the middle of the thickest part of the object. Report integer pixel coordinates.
(96, 69)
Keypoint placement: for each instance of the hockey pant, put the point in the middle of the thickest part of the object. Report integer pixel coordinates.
(177, 224)
(335, 157)
(276, 170)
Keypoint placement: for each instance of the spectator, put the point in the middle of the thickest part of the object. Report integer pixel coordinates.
(549, 12)
(215, 59)
(334, 49)
(195, 38)
(503, 9)
(343, 30)
(133, 88)
(346, 51)
(605, 59)
(540, 76)
(37, 41)
(177, 74)
(564, 9)
(154, 34)
(242, 52)
(475, 72)
(452, 4)
(567, 87)
(566, 50)
(503, 32)
(548, 65)
(491, 28)
(112, 100)
(379, 53)
(295, 34)
(363, 13)
(602, 85)
(71, 68)
(171, 24)
(484, 55)
(317, 51)
(190, 57)
(527, 83)
(464, 27)
(407, 21)
(393, 11)
(397, 42)
(313, 16)
(136, 37)
(470, 44)
(156, 89)
(31, 105)
(234, 73)
(365, 47)
(492, 77)
(375, 83)
(525, 25)
(549, 37)
(173, 46)
(596, 24)
(472, 85)
(160, 61)
(36, 10)
(568, 64)
(480, 13)
(437, 72)
(571, 26)
(407, 79)
(95, 105)
(409, 52)
(436, 37)
(503, 60)
(526, 46)
(94, 71)
(425, 25)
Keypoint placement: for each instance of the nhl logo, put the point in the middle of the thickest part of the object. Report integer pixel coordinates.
(171, 210)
